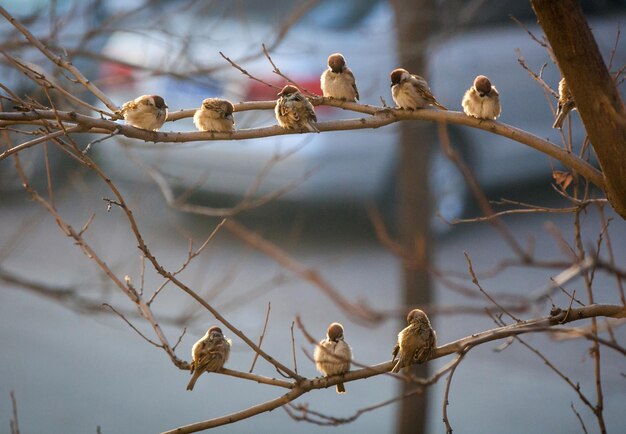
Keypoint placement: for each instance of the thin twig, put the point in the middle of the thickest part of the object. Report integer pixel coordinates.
(542, 43)
(598, 409)
(614, 49)
(132, 326)
(446, 395)
(87, 224)
(475, 281)
(38, 140)
(574, 386)
(534, 210)
(258, 378)
(267, 317)
(246, 73)
(15, 425)
(180, 339)
(536, 77)
(60, 61)
(580, 419)
(278, 72)
(609, 249)
(293, 348)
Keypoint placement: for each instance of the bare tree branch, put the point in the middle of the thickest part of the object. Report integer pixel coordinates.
(462, 345)
(379, 117)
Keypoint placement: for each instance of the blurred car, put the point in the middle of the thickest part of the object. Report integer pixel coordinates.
(61, 26)
(182, 63)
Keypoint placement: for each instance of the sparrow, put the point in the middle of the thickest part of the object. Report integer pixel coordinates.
(294, 111)
(215, 115)
(410, 91)
(482, 100)
(333, 355)
(147, 112)
(209, 354)
(565, 105)
(338, 81)
(416, 342)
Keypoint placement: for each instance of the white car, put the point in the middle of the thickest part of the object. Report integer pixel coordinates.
(339, 166)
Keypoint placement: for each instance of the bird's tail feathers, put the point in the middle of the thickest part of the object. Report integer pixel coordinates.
(560, 118)
(192, 382)
(312, 127)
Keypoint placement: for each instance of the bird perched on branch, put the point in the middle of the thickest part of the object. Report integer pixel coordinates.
(410, 91)
(215, 115)
(416, 342)
(147, 112)
(333, 355)
(294, 111)
(209, 354)
(565, 105)
(482, 100)
(338, 80)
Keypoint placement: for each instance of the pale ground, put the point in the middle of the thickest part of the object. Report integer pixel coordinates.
(72, 372)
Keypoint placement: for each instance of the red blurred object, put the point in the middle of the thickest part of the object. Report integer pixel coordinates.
(257, 91)
(116, 74)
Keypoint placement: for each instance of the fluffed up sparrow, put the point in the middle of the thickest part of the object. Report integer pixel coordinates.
(565, 105)
(294, 111)
(416, 342)
(209, 354)
(147, 112)
(482, 100)
(215, 115)
(338, 80)
(410, 91)
(333, 355)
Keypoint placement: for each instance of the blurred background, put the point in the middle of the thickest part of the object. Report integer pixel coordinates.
(73, 366)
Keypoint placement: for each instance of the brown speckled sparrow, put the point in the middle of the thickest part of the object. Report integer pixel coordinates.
(215, 115)
(416, 342)
(410, 91)
(333, 355)
(209, 354)
(294, 111)
(565, 105)
(147, 112)
(338, 81)
(482, 100)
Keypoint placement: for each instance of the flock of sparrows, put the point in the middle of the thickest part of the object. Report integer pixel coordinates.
(333, 356)
(294, 111)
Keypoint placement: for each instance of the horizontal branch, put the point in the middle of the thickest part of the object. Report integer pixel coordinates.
(240, 415)
(377, 117)
(558, 317)
(561, 317)
(258, 378)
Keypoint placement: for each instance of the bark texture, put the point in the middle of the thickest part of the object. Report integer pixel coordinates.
(597, 99)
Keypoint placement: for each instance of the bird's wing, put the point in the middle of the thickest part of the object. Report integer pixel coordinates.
(349, 73)
(129, 105)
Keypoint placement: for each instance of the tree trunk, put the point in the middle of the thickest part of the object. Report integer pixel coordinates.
(597, 99)
(414, 23)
